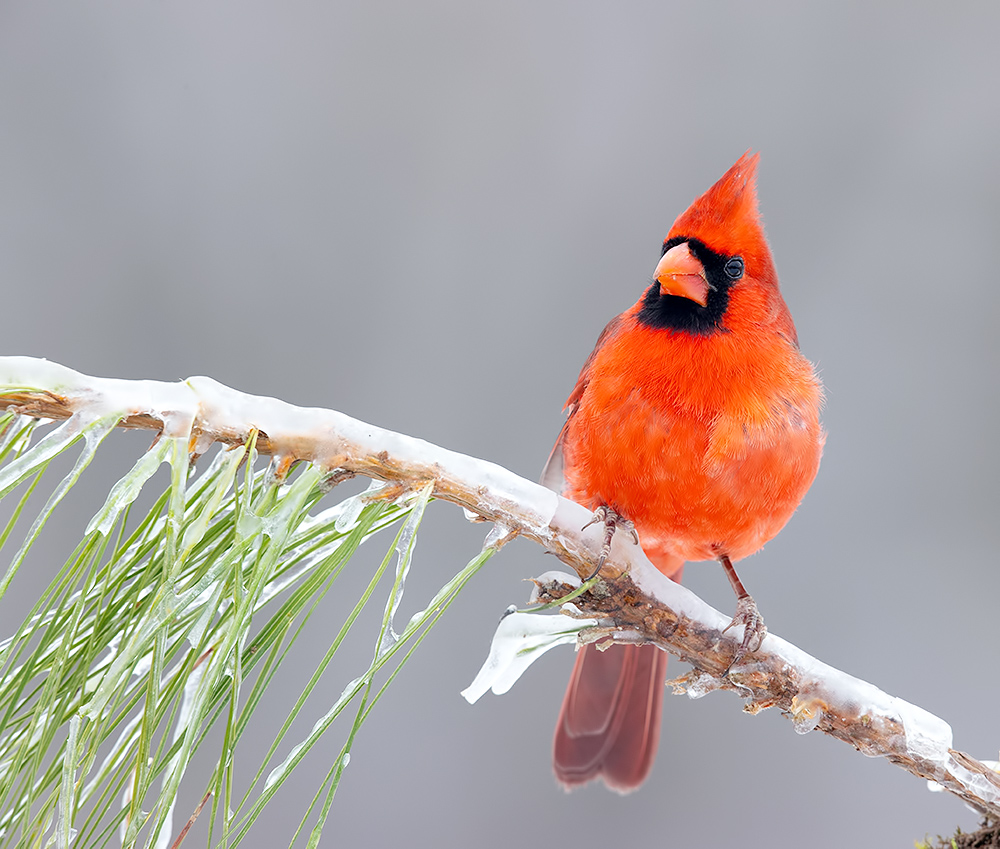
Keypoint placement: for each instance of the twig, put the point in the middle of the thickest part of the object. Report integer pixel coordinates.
(633, 601)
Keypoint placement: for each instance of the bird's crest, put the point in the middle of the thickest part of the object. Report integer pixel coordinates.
(726, 217)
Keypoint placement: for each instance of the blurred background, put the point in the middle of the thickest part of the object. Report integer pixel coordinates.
(422, 214)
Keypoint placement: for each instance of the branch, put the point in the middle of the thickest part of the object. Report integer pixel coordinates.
(633, 602)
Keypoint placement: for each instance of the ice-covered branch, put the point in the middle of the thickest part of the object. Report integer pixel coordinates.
(634, 602)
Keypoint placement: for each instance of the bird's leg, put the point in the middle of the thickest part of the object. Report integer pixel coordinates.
(611, 521)
(754, 629)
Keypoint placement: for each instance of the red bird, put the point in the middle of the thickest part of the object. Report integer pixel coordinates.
(695, 421)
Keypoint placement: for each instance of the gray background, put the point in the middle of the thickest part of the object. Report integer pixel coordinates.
(422, 214)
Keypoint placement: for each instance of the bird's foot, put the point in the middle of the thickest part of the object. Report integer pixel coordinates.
(612, 521)
(754, 629)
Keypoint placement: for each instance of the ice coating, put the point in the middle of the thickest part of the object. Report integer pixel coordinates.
(128, 488)
(345, 517)
(191, 686)
(35, 373)
(976, 783)
(47, 448)
(326, 436)
(824, 689)
(520, 639)
(570, 517)
(94, 429)
(553, 576)
(207, 603)
(281, 770)
(136, 649)
(277, 522)
(64, 822)
(333, 435)
(697, 684)
(404, 554)
(927, 736)
(336, 441)
(498, 536)
(348, 511)
(103, 395)
(221, 475)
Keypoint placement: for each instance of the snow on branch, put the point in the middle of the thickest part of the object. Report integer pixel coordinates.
(632, 603)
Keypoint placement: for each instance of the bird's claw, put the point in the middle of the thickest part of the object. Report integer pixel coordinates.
(754, 629)
(612, 521)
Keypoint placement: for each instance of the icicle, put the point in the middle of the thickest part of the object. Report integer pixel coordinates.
(520, 639)
(404, 553)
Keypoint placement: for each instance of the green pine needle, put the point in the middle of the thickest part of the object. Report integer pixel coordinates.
(157, 631)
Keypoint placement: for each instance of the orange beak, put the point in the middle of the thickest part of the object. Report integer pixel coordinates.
(680, 274)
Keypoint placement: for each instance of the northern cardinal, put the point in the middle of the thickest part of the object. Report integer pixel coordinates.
(695, 422)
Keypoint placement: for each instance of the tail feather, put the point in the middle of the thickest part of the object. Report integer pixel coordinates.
(609, 725)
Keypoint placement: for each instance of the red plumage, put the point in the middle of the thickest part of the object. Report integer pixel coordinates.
(697, 419)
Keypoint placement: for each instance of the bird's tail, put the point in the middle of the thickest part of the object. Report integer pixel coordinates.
(609, 724)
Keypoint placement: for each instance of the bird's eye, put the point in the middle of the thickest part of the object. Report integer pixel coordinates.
(734, 268)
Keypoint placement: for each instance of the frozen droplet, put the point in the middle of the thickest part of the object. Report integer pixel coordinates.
(700, 684)
(806, 722)
(498, 536)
